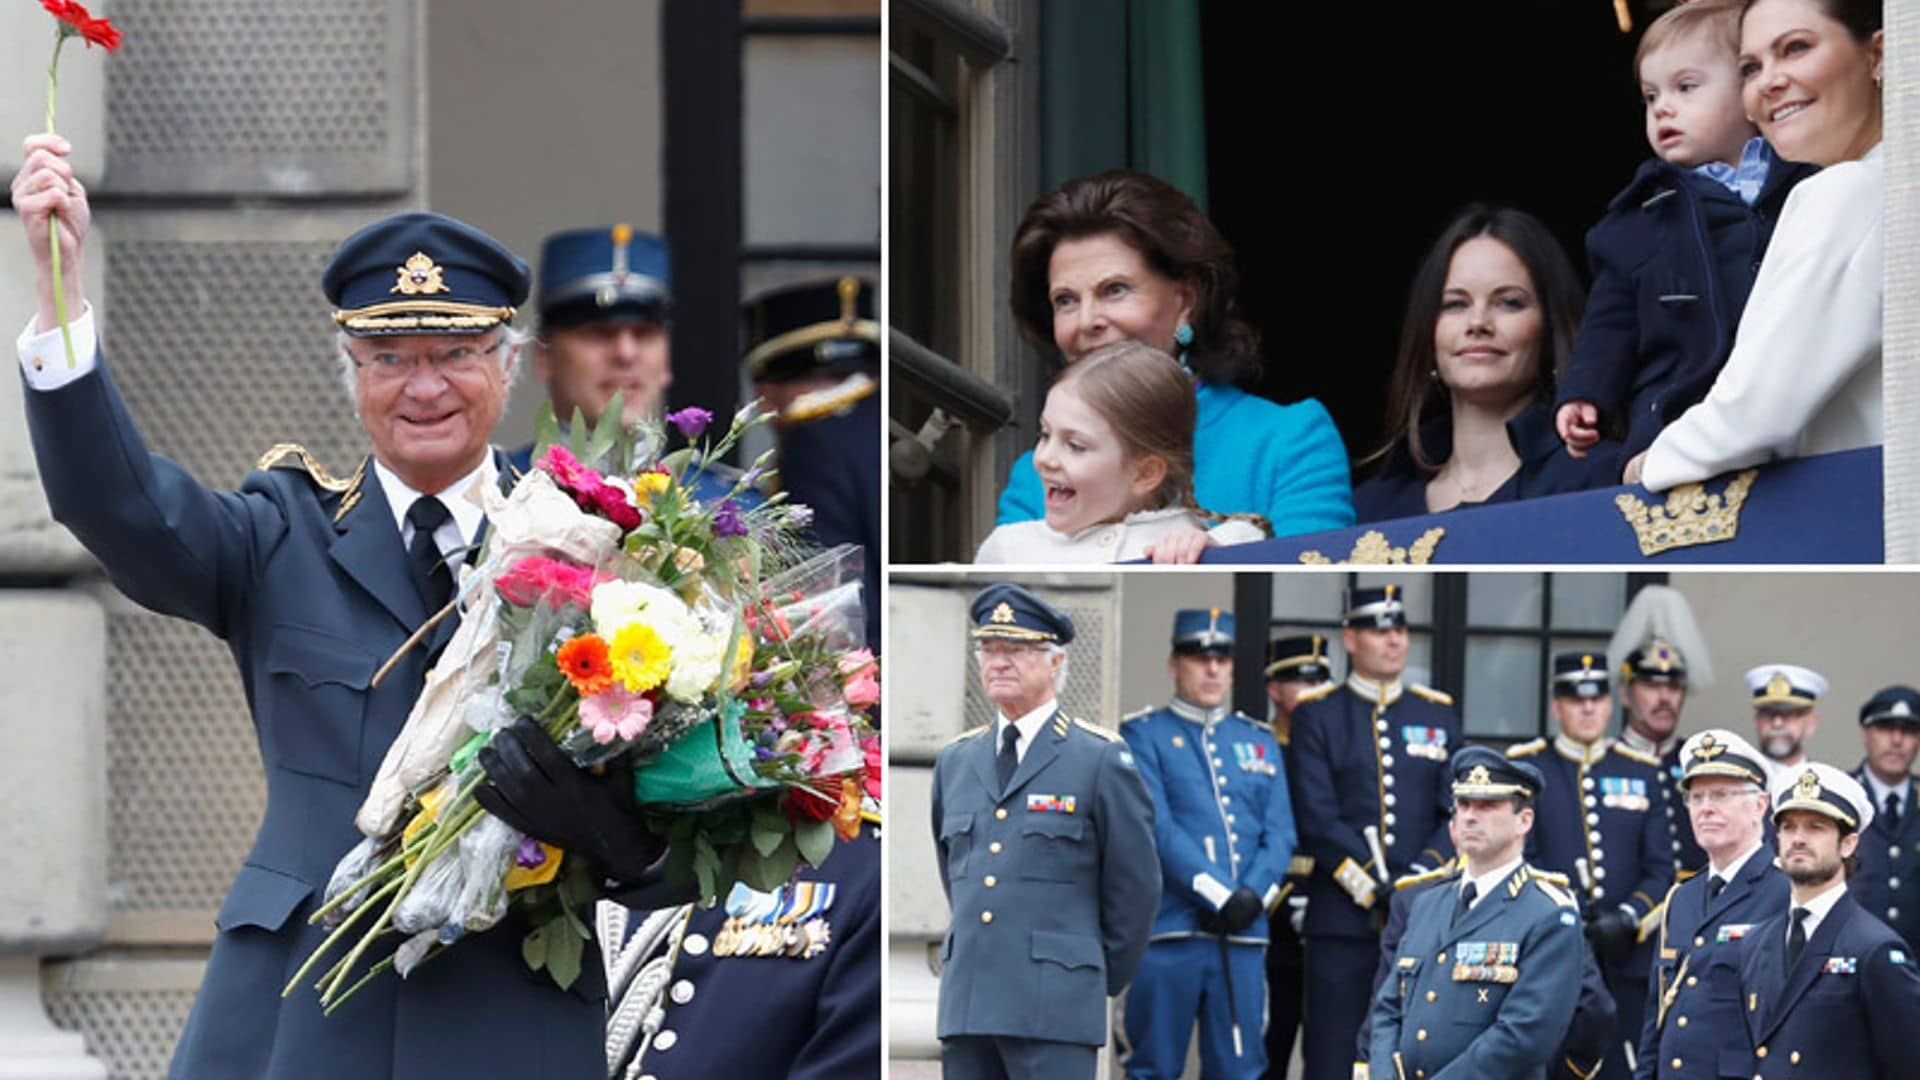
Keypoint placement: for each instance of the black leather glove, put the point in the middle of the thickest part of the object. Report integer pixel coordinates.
(1612, 932)
(1211, 922)
(533, 787)
(1240, 910)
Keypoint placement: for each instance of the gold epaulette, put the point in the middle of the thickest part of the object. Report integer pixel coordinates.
(967, 734)
(1559, 896)
(1444, 872)
(1438, 697)
(1551, 876)
(1317, 692)
(818, 403)
(293, 454)
(1527, 749)
(1100, 731)
(1300, 866)
(1631, 754)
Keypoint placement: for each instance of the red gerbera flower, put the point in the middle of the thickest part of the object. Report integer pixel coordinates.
(585, 663)
(76, 20)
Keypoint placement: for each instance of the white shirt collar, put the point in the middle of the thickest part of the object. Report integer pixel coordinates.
(1587, 754)
(1637, 741)
(1818, 907)
(1028, 725)
(1385, 693)
(1491, 880)
(462, 499)
(1880, 792)
(1733, 869)
(1187, 710)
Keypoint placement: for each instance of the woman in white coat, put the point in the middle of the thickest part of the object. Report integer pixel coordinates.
(1804, 375)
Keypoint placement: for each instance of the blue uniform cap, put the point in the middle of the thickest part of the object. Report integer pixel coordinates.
(1656, 661)
(1378, 608)
(1011, 613)
(1580, 675)
(1894, 705)
(1203, 630)
(1303, 658)
(799, 329)
(1480, 773)
(609, 273)
(422, 273)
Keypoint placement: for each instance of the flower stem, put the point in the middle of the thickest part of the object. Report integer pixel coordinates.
(332, 939)
(53, 221)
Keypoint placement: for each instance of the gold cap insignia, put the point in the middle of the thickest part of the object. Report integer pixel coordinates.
(1002, 614)
(1586, 663)
(1479, 776)
(1808, 786)
(1708, 748)
(1390, 590)
(1778, 686)
(419, 276)
(1318, 641)
(849, 290)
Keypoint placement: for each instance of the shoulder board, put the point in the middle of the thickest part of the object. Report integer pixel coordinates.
(1138, 713)
(1452, 869)
(294, 456)
(1318, 692)
(1438, 697)
(1558, 895)
(1686, 873)
(967, 734)
(1525, 749)
(1110, 736)
(818, 403)
(1552, 877)
(1631, 754)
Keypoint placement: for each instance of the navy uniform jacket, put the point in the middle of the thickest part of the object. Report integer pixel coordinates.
(1593, 1015)
(831, 464)
(309, 607)
(1849, 1009)
(1490, 997)
(1052, 884)
(1694, 1022)
(1220, 808)
(1888, 883)
(1357, 763)
(1611, 814)
(1688, 857)
(1399, 488)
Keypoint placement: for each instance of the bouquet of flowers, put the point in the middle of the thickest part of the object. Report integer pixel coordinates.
(691, 643)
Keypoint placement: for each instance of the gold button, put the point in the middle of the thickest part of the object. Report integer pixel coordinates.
(1441, 959)
(1693, 980)
(1431, 995)
(1001, 815)
(1682, 1022)
(994, 847)
(1760, 1052)
(992, 881)
(1697, 942)
(986, 916)
(1421, 1035)
(1793, 1058)
(1676, 1063)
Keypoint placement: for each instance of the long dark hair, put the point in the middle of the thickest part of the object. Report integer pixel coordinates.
(1861, 17)
(1160, 222)
(1416, 393)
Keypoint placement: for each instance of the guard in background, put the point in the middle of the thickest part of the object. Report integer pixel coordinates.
(1653, 691)
(1694, 1026)
(1829, 990)
(814, 356)
(1370, 780)
(1223, 826)
(1295, 665)
(1603, 824)
(1785, 712)
(1485, 981)
(1888, 883)
(1044, 840)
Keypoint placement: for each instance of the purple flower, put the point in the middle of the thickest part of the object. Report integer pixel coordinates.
(726, 520)
(530, 854)
(691, 420)
(800, 516)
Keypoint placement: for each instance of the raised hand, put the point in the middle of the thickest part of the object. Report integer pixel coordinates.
(46, 195)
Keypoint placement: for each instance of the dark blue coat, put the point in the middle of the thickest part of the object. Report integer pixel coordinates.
(1344, 779)
(1888, 884)
(832, 465)
(1694, 1027)
(1687, 854)
(1399, 488)
(1673, 261)
(1849, 1009)
(309, 607)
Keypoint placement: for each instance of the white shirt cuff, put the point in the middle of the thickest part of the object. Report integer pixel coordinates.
(44, 358)
(1211, 890)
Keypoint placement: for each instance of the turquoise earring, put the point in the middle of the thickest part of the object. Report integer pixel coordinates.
(1183, 337)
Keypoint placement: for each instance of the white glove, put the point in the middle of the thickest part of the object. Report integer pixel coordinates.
(1297, 913)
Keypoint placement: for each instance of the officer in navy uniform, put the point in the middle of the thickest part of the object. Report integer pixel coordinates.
(1295, 665)
(1786, 699)
(1888, 883)
(1602, 824)
(312, 583)
(1694, 1025)
(1828, 990)
(814, 356)
(1223, 826)
(1368, 756)
(1653, 691)
(1485, 981)
(1044, 837)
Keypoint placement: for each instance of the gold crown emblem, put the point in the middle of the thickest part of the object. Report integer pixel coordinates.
(1709, 748)
(1689, 517)
(1808, 786)
(1480, 776)
(1002, 614)
(1374, 549)
(1778, 686)
(419, 276)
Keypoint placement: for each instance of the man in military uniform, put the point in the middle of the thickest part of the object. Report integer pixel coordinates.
(1828, 990)
(1044, 838)
(1694, 1024)
(1653, 691)
(1223, 826)
(1295, 665)
(1888, 883)
(1369, 760)
(1602, 825)
(1485, 981)
(814, 356)
(1785, 716)
(313, 583)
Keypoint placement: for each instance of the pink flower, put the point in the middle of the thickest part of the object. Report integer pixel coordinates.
(871, 746)
(616, 714)
(537, 579)
(567, 471)
(863, 690)
(613, 505)
(855, 662)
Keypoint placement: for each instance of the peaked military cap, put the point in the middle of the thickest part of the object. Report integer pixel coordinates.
(1580, 675)
(609, 273)
(1480, 773)
(1203, 630)
(1379, 608)
(1011, 613)
(797, 329)
(1894, 705)
(1656, 661)
(1719, 752)
(1303, 657)
(1824, 790)
(1784, 687)
(422, 273)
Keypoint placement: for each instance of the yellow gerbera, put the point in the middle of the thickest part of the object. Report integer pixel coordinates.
(641, 660)
(742, 665)
(648, 484)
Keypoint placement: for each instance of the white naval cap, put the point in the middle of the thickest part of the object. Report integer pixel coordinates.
(1822, 789)
(1785, 686)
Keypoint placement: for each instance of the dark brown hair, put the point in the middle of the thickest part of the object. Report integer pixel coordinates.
(1862, 18)
(1160, 222)
(1416, 393)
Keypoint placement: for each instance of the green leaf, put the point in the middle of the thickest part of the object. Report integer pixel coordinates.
(765, 840)
(563, 958)
(782, 863)
(815, 840)
(579, 434)
(605, 434)
(706, 866)
(546, 431)
(533, 948)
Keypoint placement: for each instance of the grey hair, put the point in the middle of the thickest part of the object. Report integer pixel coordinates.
(514, 340)
(1054, 648)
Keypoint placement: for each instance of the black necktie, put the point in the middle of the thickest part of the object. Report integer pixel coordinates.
(1466, 901)
(1009, 758)
(430, 572)
(1893, 811)
(1797, 937)
(1714, 884)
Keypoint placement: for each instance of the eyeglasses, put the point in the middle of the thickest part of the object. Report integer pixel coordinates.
(1716, 797)
(1006, 650)
(392, 366)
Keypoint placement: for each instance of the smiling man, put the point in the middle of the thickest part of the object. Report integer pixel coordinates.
(1889, 879)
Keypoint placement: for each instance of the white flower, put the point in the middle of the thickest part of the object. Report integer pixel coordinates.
(696, 653)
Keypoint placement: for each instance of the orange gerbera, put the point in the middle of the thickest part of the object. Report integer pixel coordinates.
(846, 819)
(585, 663)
